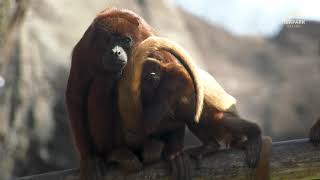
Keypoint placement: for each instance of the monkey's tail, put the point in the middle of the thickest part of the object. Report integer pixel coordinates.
(153, 44)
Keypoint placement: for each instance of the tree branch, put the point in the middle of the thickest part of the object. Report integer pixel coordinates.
(295, 159)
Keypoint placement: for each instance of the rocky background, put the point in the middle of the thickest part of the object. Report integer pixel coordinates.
(276, 80)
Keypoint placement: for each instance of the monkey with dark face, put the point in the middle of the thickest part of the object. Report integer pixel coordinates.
(115, 59)
(315, 133)
(97, 63)
(169, 97)
(169, 108)
(132, 106)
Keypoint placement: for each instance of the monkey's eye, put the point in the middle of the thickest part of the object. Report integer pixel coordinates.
(126, 40)
(152, 79)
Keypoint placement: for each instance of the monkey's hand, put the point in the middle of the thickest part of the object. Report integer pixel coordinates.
(179, 160)
(315, 133)
(152, 151)
(253, 148)
(92, 168)
(180, 166)
(126, 160)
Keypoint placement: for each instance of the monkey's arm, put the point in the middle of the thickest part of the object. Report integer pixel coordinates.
(233, 131)
(159, 116)
(179, 161)
(162, 91)
(252, 131)
(160, 106)
(76, 94)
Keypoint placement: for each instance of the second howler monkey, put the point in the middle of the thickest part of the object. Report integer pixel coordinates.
(169, 96)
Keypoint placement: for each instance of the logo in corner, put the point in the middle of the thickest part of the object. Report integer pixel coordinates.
(294, 22)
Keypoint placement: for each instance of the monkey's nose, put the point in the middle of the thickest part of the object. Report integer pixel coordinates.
(117, 52)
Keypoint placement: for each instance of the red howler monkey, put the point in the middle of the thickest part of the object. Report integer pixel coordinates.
(315, 133)
(97, 63)
(130, 106)
(91, 96)
(130, 103)
(169, 93)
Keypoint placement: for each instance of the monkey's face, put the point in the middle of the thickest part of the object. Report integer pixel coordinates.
(114, 59)
(115, 33)
(150, 80)
(113, 50)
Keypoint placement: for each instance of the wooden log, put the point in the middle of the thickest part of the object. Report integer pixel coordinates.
(295, 159)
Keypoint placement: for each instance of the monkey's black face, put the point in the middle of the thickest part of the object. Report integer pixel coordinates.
(113, 49)
(150, 80)
(115, 59)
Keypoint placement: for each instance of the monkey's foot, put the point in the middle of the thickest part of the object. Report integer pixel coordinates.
(180, 166)
(315, 135)
(253, 149)
(152, 151)
(93, 168)
(126, 160)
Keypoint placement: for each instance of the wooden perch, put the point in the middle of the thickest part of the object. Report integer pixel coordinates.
(295, 159)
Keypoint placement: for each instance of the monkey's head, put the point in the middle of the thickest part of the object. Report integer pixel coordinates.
(115, 54)
(108, 42)
(150, 77)
(116, 34)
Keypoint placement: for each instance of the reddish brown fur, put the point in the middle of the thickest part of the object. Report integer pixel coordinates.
(167, 94)
(175, 95)
(88, 84)
(159, 102)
